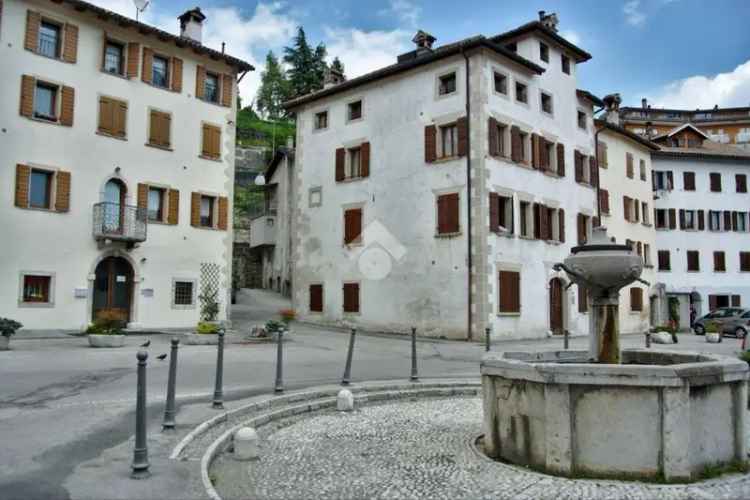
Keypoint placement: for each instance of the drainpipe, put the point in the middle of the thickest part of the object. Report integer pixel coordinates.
(598, 181)
(470, 264)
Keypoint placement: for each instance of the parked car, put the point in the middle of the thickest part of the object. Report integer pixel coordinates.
(730, 320)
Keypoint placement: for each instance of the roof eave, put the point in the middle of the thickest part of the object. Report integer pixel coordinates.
(580, 54)
(626, 133)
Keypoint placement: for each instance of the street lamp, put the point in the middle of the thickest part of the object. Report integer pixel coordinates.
(260, 180)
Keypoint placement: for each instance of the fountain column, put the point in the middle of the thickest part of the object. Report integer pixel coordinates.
(605, 332)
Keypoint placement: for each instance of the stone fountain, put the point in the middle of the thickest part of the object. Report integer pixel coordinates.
(635, 413)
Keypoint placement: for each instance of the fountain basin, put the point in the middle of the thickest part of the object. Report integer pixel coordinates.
(659, 414)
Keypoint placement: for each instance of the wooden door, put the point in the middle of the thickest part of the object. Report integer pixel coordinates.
(556, 306)
(113, 288)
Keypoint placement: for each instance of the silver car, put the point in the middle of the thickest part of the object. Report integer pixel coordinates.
(731, 321)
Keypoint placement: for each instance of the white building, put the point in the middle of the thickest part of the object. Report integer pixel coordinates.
(702, 222)
(440, 191)
(117, 141)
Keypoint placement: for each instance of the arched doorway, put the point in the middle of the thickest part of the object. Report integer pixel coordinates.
(113, 288)
(114, 205)
(556, 306)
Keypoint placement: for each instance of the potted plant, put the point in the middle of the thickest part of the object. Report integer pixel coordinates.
(8, 328)
(106, 331)
(713, 332)
(287, 316)
(205, 334)
(274, 327)
(209, 305)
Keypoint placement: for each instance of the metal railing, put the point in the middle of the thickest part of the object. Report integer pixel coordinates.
(114, 221)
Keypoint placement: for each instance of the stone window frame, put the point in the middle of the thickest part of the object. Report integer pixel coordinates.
(510, 267)
(315, 114)
(349, 102)
(437, 193)
(52, 282)
(517, 80)
(184, 307)
(51, 170)
(456, 71)
(550, 94)
(508, 82)
(585, 128)
(311, 191)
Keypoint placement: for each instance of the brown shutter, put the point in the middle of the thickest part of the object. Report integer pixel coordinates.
(509, 292)
(561, 224)
(712, 302)
(544, 159)
(637, 210)
(701, 221)
(430, 144)
(62, 191)
(200, 82)
(636, 299)
(727, 220)
(142, 201)
(226, 90)
(603, 201)
(316, 298)
(33, 21)
(583, 298)
(173, 214)
(195, 209)
(719, 261)
(494, 212)
(734, 221)
(352, 225)
(134, 55)
(70, 43)
(688, 180)
(119, 113)
(740, 181)
(581, 228)
(593, 171)
(364, 158)
(28, 85)
(106, 117)
(560, 159)
(629, 165)
(68, 97)
(351, 297)
(492, 137)
(715, 182)
(340, 160)
(736, 301)
(148, 61)
(672, 219)
(462, 126)
(516, 144)
(537, 216)
(670, 180)
(626, 208)
(578, 161)
(23, 172)
(176, 74)
(223, 213)
(682, 218)
(451, 208)
(535, 151)
(544, 228)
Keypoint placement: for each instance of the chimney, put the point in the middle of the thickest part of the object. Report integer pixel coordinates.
(649, 130)
(548, 20)
(191, 24)
(424, 42)
(612, 107)
(332, 78)
(644, 103)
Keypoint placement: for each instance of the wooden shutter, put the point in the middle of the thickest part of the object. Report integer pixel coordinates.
(492, 137)
(509, 300)
(352, 225)
(176, 74)
(664, 264)
(200, 82)
(535, 160)
(173, 213)
(693, 260)
(629, 165)
(701, 221)
(33, 22)
(626, 208)
(70, 43)
(134, 56)
(62, 191)
(544, 223)
(581, 228)
(583, 298)
(28, 86)
(561, 224)
(142, 201)
(727, 220)
(734, 221)
(593, 171)
(430, 144)
(560, 159)
(351, 297)
(340, 161)
(67, 106)
(578, 162)
(448, 213)
(516, 145)
(736, 301)
(688, 181)
(195, 209)
(364, 159)
(148, 62)
(23, 172)
(741, 183)
(106, 115)
(712, 302)
(160, 129)
(719, 264)
(316, 298)
(636, 299)
(682, 218)
(604, 201)
(744, 261)
(223, 213)
(494, 212)
(462, 128)
(211, 141)
(226, 90)
(544, 159)
(670, 180)
(119, 118)
(715, 182)
(637, 210)
(672, 219)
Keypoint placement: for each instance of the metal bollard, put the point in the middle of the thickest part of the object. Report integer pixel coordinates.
(218, 402)
(348, 367)
(169, 410)
(414, 375)
(648, 340)
(566, 339)
(279, 386)
(140, 452)
(487, 339)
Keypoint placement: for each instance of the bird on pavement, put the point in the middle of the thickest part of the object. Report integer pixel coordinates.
(161, 357)
(147, 343)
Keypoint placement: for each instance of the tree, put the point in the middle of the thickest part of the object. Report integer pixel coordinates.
(337, 65)
(307, 67)
(274, 89)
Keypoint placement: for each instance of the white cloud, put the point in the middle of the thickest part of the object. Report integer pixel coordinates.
(633, 15)
(571, 36)
(407, 13)
(365, 51)
(699, 91)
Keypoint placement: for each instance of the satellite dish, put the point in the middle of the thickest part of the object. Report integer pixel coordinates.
(140, 6)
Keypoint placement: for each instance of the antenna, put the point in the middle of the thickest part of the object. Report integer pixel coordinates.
(140, 6)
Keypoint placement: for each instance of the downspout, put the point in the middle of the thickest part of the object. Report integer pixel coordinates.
(598, 181)
(469, 261)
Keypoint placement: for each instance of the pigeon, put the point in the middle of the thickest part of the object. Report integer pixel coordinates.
(147, 343)
(161, 357)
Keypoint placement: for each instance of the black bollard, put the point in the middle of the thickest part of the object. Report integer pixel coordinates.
(348, 367)
(169, 410)
(648, 340)
(279, 385)
(566, 339)
(487, 339)
(218, 402)
(140, 452)
(414, 375)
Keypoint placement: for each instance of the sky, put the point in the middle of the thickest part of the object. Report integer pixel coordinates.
(677, 53)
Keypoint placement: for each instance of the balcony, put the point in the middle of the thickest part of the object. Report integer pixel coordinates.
(116, 222)
(263, 230)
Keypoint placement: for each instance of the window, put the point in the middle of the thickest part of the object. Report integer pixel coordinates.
(646, 254)
(715, 182)
(351, 297)
(36, 289)
(741, 221)
(447, 84)
(583, 299)
(525, 217)
(543, 52)
(688, 220)
(354, 163)
(546, 102)
(448, 141)
(160, 129)
(745, 261)
(602, 151)
(160, 72)
(661, 218)
(352, 226)
(548, 157)
(645, 214)
(523, 139)
(629, 165)
(741, 183)
(521, 93)
(501, 213)
(354, 110)
(509, 296)
(636, 299)
(207, 211)
(582, 228)
(565, 60)
(498, 142)
(112, 117)
(662, 180)
(211, 142)
(447, 214)
(321, 120)
(211, 87)
(114, 58)
(183, 293)
(501, 83)
(45, 101)
(719, 262)
(642, 167)
(688, 181)
(714, 220)
(40, 189)
(693, 261)
(581, 120)
(49, 39)
(663, 257)
(155, 204)
(316, 298)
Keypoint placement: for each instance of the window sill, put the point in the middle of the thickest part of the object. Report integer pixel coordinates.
(41, 209)
(32, 305)
(509, 314)
(551, 173)
(56, 121)
(585, 184)
(118, 75)
(168, 88)
(214, 103)
(635, 313)
(156, 146)
(446, 159)
(528, 238)
(645, 224)
(56, 58)
(648, 266)
(183, 307)
(448, 235)
(208, 228)
(104, 134)
(504, 234)
(352, 313)
(355, 120)
(211, 158)
(351, 179)
(553, 242)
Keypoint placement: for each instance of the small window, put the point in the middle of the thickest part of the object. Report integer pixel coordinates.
(49, 39)
(688, 181)
(524, 138)
(509, 288)
(321, 120)
(521, 93)
(693, 261)
(40, 189)
(689, 222)
(36, 289)
(663, 256)
(504, 222)
(582, 120)
(742, 221)
(113, 58)
(160, 72)
(719, 262)
(661, 218)
(351, 297)
(211, 87)
(543, 52)
(183, 293)
(646, 254)
(447, 84)
(714, 220)
(354, 110)
(352, 226)
(745, 261)
(546, 102)
(45, 101)
(642, 166)
(316, 298)
(636, 299)
(155, 204)
(207, 211)
(524, 209)
(448, 214)
(502, 132)
(501, 83)
(565, 64)
(354, 163)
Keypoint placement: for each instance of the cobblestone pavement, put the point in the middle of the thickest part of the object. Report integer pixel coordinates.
(415, 449)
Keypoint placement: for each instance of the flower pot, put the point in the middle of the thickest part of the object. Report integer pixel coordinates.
(106, 340)
(713, 338)
(200, 338)
(4, 343)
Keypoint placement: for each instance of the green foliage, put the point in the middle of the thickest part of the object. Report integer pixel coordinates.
(206, 328)
(287, 315)
(716, 470)
(745, 356)
(711, 327)
(306, 66)
(337, 65)
(274, 326)
(248, 201)
(674, 309)
(274, 89)
(209, 305)
(8, 327)
(106, 323)
(252, 131)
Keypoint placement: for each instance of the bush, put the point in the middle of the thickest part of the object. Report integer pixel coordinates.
(745, 356)
(287, 315)
(106, 323)
(274, 326)
(711, 327)
(8, 327)
(205, 328)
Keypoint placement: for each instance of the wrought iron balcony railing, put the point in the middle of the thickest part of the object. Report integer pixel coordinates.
(113, 221)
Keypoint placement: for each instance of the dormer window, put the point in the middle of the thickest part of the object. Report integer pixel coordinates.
(354, 110)
(543, 52)
(447, 84)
